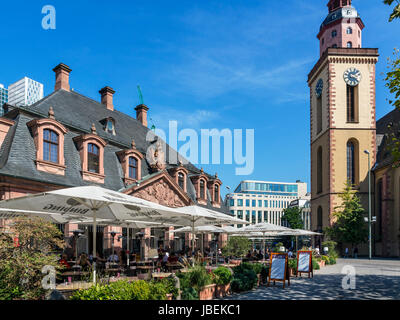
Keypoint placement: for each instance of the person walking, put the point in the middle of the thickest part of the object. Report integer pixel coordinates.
(346, 252)
(355, 253)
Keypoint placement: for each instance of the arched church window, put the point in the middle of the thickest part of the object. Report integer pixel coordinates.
(351, 162)
(352, 103)
(334, 33)
(319, 170)
(349, 30)
(319, 218)
(349, 44)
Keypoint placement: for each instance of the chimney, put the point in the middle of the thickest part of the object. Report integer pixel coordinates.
(107, 97)
(141, 114)
(62, 77)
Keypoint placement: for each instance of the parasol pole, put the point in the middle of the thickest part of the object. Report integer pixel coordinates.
(127, 247)
(94, 244)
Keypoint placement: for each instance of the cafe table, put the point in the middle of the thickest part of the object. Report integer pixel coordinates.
(160, 275)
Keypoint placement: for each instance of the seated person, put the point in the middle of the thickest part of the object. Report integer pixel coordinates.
(84, 262)
(113, 258)
(64, 261)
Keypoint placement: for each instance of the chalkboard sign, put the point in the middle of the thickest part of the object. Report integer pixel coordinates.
(278, 270)
(304, 263)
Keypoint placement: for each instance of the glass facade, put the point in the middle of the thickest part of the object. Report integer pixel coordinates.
(267, 188)
(3, 98)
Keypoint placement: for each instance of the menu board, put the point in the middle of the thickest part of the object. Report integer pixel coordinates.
(278, 267)
(304, 262)
(278, 270)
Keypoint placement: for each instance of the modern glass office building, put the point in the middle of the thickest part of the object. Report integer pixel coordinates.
(25, 92)
(264, 201)
(3, 97)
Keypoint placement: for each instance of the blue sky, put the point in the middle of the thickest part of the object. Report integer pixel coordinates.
(207, 64)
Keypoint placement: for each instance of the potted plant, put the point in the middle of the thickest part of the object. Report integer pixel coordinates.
(201, 280)
(257, 267)
(223, 278)
(292, 264)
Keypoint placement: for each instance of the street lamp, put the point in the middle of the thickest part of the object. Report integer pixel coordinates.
(369, 205)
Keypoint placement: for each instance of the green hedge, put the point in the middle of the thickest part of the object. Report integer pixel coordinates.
(244, 278)
(123, 290)
(223, 276)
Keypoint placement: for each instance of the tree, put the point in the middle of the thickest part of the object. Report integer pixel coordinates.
(237, 247)
(293, 217)
(26, 246)
(349, 225)
(393, 84)
(396, 11)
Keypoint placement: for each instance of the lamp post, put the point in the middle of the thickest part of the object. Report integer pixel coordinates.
(369, 205)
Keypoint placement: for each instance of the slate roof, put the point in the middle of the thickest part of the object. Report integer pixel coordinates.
(384, 157)
(77, 113)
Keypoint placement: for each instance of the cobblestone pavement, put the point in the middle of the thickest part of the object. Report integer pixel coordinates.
(375, 279)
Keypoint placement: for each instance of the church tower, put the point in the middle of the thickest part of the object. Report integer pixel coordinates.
(342, 101)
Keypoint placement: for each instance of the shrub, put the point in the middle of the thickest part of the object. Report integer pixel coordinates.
(237, 247)
(120, 290)
(158, 290)
(198, 278)
(223, 276)
(292, 263)
(244, 278)
(315, 264)
(264, 274)
(332, 260)
(326, 259)
(278, 246)
(257, 267)
(190, 294)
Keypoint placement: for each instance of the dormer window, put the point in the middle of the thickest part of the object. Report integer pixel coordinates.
(50, 146)
(91, 150)
(110, 126)
(130, 161)
(48, 135)
(93, 158)
(216, 193)
(202, 190)
(181, 180)
(133, 168)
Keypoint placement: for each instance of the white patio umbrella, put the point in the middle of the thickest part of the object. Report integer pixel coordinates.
(94, 202)
(15, 213)
(200, 216)
(266, 228)
(200, 230)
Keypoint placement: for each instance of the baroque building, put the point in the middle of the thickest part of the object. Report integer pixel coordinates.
(67, 139)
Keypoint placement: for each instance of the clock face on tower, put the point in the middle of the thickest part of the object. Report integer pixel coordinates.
(319, 87)
(352, 77)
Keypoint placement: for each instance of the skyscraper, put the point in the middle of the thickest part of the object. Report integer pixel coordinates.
(25, 92)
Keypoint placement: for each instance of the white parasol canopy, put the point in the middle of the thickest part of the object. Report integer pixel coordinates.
(95, 202)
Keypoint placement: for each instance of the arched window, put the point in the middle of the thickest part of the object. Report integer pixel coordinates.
(50, 145)
(349, 30)
(216, 193)
(93, 158)
(319, 218)
(133, 166)
(319, 170)
(181, 180)
(351, 164)
(349, 44)
(334, 33)
(352, 103)
(319, 114)
(202, 189)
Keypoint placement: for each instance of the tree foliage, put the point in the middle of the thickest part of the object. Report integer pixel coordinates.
(293, 217)
(396, 10)
(237, 247)
(349, 226)
(26, 246)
